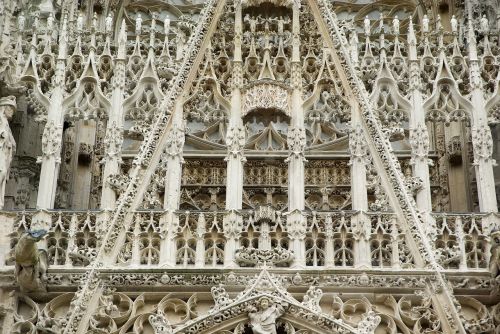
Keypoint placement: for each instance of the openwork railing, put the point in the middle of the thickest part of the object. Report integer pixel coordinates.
(330, 238)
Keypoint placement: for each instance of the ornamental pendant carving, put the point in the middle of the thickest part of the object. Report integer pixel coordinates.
(482, 143)
(175, 142)
(357, 145)
(266, 96)
(419, 141)
(51, 142)
(235, 141)
(296, 141)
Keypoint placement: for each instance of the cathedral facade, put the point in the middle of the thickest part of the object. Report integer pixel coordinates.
(249, 166)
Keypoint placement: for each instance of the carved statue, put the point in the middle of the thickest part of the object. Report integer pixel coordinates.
(109, 23)
(425, 24)
(166, 25)
(31, 262)
(138, 24)
(395, 25)
(7, 142)
(485, 26)
(367, 25)
(21, 20)
(263, 321)
(454, 24)
(495, 254)
(79, 23)
(50, 23)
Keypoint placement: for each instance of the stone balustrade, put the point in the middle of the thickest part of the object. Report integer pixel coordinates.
(330, 236)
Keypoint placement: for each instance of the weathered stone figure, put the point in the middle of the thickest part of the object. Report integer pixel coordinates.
(263, 321)
(31, 262)
(7, 142)
(495, 254)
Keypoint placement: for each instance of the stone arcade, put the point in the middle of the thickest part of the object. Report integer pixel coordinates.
(249, 166)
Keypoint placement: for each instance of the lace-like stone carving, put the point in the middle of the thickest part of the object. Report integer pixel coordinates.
(483, 143)
(51, 142)
(266, 96)
(250, 257)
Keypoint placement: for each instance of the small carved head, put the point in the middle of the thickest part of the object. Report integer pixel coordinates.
(8, 106)
(264, 303)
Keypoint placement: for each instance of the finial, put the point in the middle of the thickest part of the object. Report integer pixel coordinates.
(94, 21)
(122, 39)
(65, 24)
(411, 31)
(166, 25)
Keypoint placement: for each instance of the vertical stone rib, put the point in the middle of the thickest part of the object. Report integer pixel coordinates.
(444, 301)
(87, 297)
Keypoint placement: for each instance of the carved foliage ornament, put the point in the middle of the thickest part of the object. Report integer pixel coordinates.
(235, 140)
(275, 256)
(266, 96)
(51, 142)
(175, 142)
(113, 139)
(419, 141)
(296, 141)
(357, 145)
(284, 3)
(483, 143)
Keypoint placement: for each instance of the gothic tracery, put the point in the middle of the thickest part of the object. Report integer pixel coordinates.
(249, 166)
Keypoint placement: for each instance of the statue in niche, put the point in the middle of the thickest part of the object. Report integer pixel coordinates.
(31, 262)
(7, 142)
(263, 321)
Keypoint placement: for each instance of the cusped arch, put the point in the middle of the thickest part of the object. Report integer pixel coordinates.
(298, 315)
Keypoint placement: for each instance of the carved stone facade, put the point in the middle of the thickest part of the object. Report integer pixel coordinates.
(249, 166)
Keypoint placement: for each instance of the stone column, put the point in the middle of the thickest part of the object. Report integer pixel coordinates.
(359, 158)
(52, 134)
(360, 222)
(235, 141)
(419, 136)
(173, 161)
(114, 131)
(481, 133)
(296, 141)
(200, 241)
